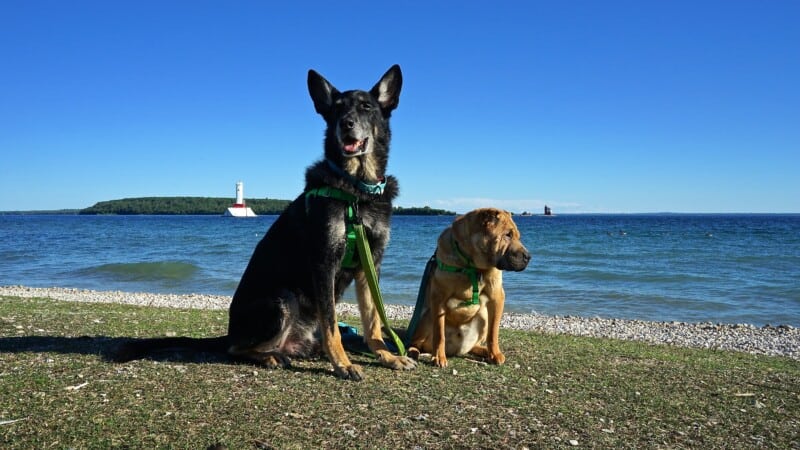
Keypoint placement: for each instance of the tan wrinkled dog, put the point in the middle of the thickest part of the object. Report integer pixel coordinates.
(465, 297)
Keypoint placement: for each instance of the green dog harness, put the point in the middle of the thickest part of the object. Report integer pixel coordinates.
(470, 271)
(351, 219)
(435, 263)
(356, 239)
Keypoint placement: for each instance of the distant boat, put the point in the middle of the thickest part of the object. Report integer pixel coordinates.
(239, 209)
(547, 211)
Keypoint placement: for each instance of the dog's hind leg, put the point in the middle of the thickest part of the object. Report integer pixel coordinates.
(421, 341)
(268, 359)
(480, 351)
(258, 329)
(373, 335)
(268, 354)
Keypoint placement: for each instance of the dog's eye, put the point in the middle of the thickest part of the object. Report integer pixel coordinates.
(365, 106)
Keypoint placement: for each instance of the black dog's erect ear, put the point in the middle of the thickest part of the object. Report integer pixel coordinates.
(387, 90)
(322, 92)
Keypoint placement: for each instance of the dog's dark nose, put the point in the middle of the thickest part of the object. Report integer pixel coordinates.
(521, 260)
(347, 123)
(516, 260)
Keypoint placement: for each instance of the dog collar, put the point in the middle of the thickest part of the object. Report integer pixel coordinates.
(367, 188)
(470, 271)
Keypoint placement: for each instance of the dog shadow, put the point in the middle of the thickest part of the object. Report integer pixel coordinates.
(81, 345)
(106, 348)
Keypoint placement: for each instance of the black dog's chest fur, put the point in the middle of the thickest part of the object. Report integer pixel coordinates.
(373, 211)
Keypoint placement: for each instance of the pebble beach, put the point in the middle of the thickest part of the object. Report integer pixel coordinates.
(779, 340)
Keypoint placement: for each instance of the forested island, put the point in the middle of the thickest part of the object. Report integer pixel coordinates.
(421, 211)
(181, 206)
(215, 206)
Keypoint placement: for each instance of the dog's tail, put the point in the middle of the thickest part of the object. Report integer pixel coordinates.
(141, 348)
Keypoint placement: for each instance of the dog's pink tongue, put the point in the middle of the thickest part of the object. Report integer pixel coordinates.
(352, 148)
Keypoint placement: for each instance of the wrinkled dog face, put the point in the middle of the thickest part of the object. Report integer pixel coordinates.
(497, 241)
(515, 256)
(510, 253)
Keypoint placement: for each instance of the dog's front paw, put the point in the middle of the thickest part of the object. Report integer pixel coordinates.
(398, 362)
(496, 358)
(352, 372)
(440, 360)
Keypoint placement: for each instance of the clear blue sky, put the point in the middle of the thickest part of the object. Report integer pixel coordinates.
(602, 106)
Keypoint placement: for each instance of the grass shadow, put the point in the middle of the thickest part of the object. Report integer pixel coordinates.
(106, 347)
(82, 345)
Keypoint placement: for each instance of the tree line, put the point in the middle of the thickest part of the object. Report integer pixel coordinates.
(421, 211)
(181, 206)
(214, 206)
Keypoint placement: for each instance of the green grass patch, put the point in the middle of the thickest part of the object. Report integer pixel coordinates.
(57, 390)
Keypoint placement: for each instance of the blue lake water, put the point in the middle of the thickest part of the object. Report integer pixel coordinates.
(695, 268)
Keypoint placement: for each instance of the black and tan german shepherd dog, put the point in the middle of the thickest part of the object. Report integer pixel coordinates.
(284, 305)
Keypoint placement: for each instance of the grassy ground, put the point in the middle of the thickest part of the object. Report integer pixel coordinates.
(58, 391)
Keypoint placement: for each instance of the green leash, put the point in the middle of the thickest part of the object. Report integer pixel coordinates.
(357, 237)
(365, 254)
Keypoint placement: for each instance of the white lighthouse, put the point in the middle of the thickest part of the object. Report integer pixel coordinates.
(239, 209)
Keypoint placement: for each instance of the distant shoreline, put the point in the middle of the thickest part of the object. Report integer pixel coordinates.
(199, 206)
(53, 212)
(75, 212)
(768, 340)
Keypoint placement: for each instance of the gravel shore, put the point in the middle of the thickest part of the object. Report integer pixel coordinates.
(780, 340)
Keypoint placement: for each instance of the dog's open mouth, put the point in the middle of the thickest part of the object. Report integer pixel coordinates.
(353, 146)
